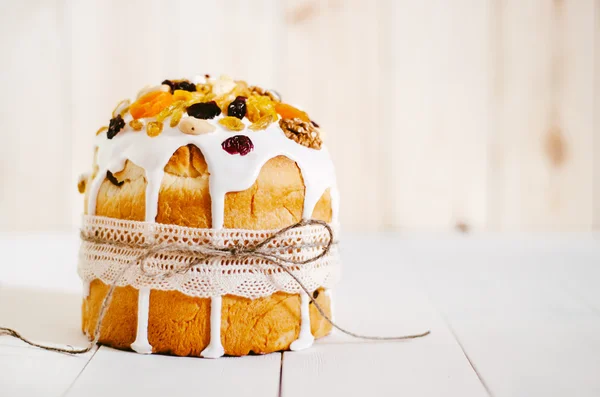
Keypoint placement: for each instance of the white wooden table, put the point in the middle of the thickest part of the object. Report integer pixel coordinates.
(509, 316)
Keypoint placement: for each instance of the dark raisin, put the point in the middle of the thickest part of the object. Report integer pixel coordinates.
(238, 144)
(204, 110)
(113, 180)
(180, 85)
(185, 85)
(170, 84)
(237, 108)
(314, 123)
(115, 125)
(316, 294)
(207, 76)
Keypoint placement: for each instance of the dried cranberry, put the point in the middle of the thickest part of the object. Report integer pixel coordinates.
(180, 85)
(238, 144)
(115, 125)
(204, 110)
(113, 180)
(237, 108)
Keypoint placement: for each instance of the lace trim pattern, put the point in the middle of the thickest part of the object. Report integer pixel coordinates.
(124, 241)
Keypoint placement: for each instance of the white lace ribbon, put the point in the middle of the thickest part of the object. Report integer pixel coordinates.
(119, 243)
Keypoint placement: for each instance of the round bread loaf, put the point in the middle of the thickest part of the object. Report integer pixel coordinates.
(208, 154)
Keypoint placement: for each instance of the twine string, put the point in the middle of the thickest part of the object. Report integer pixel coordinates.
(201, 253)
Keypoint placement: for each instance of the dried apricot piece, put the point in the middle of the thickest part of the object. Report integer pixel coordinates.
(289, 112)
(150, 104)
(232, 123)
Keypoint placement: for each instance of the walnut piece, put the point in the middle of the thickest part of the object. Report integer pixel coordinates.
(301, 132)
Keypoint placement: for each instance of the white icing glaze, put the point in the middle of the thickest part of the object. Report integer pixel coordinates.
(214, 348)
(141, 344)
(86, 289)
(228, 173)
(305, 338)
(329, 294)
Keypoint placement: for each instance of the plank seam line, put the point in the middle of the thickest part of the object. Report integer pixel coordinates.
(485, 386)
(80, 372)
(280, 375)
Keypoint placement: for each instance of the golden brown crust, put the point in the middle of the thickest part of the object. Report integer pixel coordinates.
(180, 324)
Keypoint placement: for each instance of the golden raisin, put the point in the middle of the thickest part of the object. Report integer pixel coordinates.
(263, 122)
(136, 125)
(232, 123)
(176, 117)
(258, 107)
(154, 128)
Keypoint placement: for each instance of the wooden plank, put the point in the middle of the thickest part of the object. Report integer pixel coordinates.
(116, 49)
(26, 371)
(35, 148)
(541, 172)
(41, 315)
(511, 305)
(332, 64)
(154, 375)
(437, 134)
(597, 121)
(385, 300)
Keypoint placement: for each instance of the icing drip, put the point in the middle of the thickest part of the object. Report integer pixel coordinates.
(329, 294)
(305, 338)
(228, 173)
(214, 348)
(86, 289)
(141, 345)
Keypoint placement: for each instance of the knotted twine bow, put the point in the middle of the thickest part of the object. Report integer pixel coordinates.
(201, 253)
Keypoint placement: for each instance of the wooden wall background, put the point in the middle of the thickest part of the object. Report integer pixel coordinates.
(441, 115)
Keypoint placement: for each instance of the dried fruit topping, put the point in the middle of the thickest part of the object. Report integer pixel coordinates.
(204, 110)
(136, 125)
(238, 144)
(154, 128)
(223, 85)
(194, 126)
(258, 107)
(166, 112)
(121, 108)
(263, 122)
(101, 130)
(232, 123)
(274, 96)
(147, 89)
(314, 123)
(237, 108)
(183, 85)
(181, 95)
(113, 180)
(289, 112)
(150, 104)
(175, 117)
(301, 132)
(203, 88)
(115, 125)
